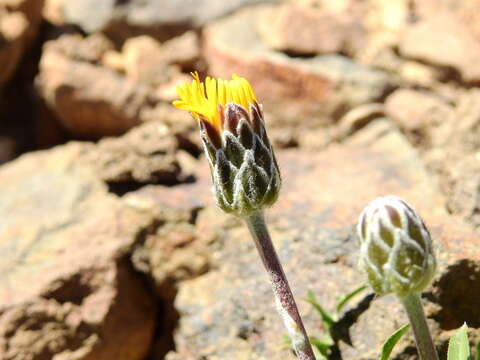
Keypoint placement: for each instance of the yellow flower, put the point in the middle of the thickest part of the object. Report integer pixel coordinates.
(206, 100)
(244, 170)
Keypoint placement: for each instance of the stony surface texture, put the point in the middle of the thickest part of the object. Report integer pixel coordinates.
(309, 30)
(229, 311)
(89, 100)
(121, 19)
(19, 23)
(94, 90)
(67, 288)
(420, 114)
(454, 156)
(414, 110)
(301, 91)
(109, 247)
(150, 153)
(443, 40)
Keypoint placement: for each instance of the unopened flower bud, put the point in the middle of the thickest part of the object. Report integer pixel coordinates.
(396, 247)
(244, 170)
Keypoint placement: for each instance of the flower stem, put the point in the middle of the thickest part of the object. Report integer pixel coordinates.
(286, 305)
(423, 339)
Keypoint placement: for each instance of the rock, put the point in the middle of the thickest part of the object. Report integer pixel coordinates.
(89, 100)
(143, 63)
(167, 92)
(421, 75)
(67, 287)
(19, 23)
(443, 40)
(297, 91)
(454, 157)
(416, 110)
(160, 20)
(53, 12)
(146, 154)
(182, 50)
(229, 311)
(358, 118)
(309, 30)
(459, 131)
(145, 60)
(465, 11)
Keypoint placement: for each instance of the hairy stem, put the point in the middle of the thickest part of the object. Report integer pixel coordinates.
(286, 305)
(423, 339)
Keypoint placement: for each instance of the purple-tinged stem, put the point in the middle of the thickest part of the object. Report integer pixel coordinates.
(286, 305)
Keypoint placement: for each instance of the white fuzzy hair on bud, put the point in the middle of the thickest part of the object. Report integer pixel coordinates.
(396, 247)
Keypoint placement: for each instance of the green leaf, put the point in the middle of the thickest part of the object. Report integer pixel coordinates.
(458, 347)
(345, 299)
(322, 347)
(327, 319)
(478, 351)
(392, 341)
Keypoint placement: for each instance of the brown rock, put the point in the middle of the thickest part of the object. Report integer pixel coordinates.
(443, 40)
(53, 12)
(19, 22)
(182, 50)
(147, 61)
(147, 154)
(459, 131)
(143, 61)
(415, 110)
(358, 118)
(67, 288)
(454, 157)
(466, 11)
(309, 30)
(88, 99)
(167, 92)
(229, 311)
(296, 91)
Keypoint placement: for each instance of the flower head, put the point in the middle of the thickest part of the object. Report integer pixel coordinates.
(207, 100)
(244, 169)
(396, 247)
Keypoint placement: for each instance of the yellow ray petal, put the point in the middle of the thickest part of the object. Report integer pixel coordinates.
(203, 99)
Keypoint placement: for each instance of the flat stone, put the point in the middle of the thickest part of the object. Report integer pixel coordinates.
(414, 110)
(148, 154)
(295, 90)
(310, 30)
(428, 40)
(229, 312)
(67, 288)
(89, 100)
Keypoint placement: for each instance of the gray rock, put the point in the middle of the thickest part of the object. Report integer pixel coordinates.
(151, 16)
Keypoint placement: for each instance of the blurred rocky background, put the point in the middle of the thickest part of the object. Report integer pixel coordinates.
(110, 245)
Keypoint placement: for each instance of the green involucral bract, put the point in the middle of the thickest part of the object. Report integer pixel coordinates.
(245, 173)
(396, 247)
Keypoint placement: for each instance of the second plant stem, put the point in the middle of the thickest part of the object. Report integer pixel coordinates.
(286, 305)
(423, 339)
